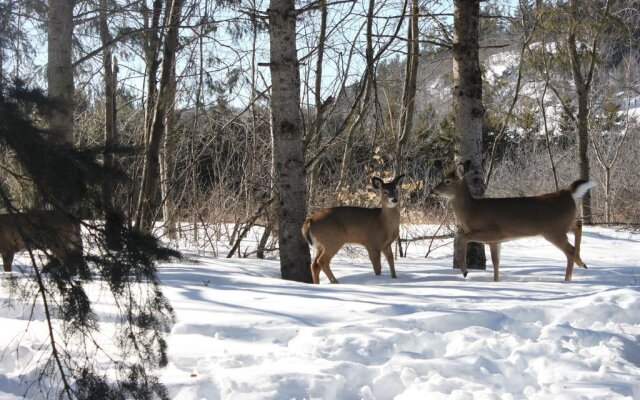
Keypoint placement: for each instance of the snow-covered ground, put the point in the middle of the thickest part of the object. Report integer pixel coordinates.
(243, 333)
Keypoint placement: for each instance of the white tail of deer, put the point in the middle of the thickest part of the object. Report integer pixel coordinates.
(51, 230)
(492, 221)
(374, 228)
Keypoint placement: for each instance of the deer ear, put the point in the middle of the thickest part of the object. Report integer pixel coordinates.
(376, 182)
(398, 179)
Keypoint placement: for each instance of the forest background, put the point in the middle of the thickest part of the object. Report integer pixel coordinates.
(215, 156)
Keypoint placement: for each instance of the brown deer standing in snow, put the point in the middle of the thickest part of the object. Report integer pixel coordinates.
(492, 221)
(375, 228)
(52, 230)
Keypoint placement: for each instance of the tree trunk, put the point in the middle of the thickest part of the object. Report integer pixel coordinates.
(152, 62)
(583, 81)
(146, 209)
(468, 108)
(607, 193)
(270, 209)
(59, 68)
(408, 97)
(262, 245)
(151, 47)
(316, 135)
(196, 122)
(583, 147)
(410, 87)
(167, 159)
(110, 67)
(582, 123)
(286, 133)
(4, 33)
(547, 136)
(317, 126)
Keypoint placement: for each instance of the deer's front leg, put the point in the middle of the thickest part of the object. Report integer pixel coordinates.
(374, 256)
(388, 254)
(463, 255)
(7, 261)
(495, 259)
(485, 236)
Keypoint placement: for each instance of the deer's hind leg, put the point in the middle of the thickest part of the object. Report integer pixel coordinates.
(577, 231)
(315, 267)
(561, 242)
(324, 259)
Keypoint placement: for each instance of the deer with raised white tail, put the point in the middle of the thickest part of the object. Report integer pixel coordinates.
(374, 228)
(492, 221)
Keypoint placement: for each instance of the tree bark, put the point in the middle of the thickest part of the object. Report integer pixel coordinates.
(607, 194)
(410, 86)
(468, 108)
(152, 62)
(269, 210)
(552, 163)
(582, 123)
(287, 143)
(146, 210)
(317, 126)
(59, 68)
(196, 122)
(316, 133)
(151, 48)
(167, 159)
(4, 33)
(110, 67)
(583, 81)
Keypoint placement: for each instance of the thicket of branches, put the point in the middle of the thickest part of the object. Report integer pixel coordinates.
(217, 154)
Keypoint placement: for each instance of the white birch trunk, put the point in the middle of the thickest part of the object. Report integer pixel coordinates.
(59, 68)
(467, 103)
(287, 140)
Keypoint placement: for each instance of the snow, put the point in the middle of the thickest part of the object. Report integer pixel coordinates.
(633, 105)
(501, 64)
(243, 333)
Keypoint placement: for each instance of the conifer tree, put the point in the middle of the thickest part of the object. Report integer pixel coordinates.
(70, 179)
